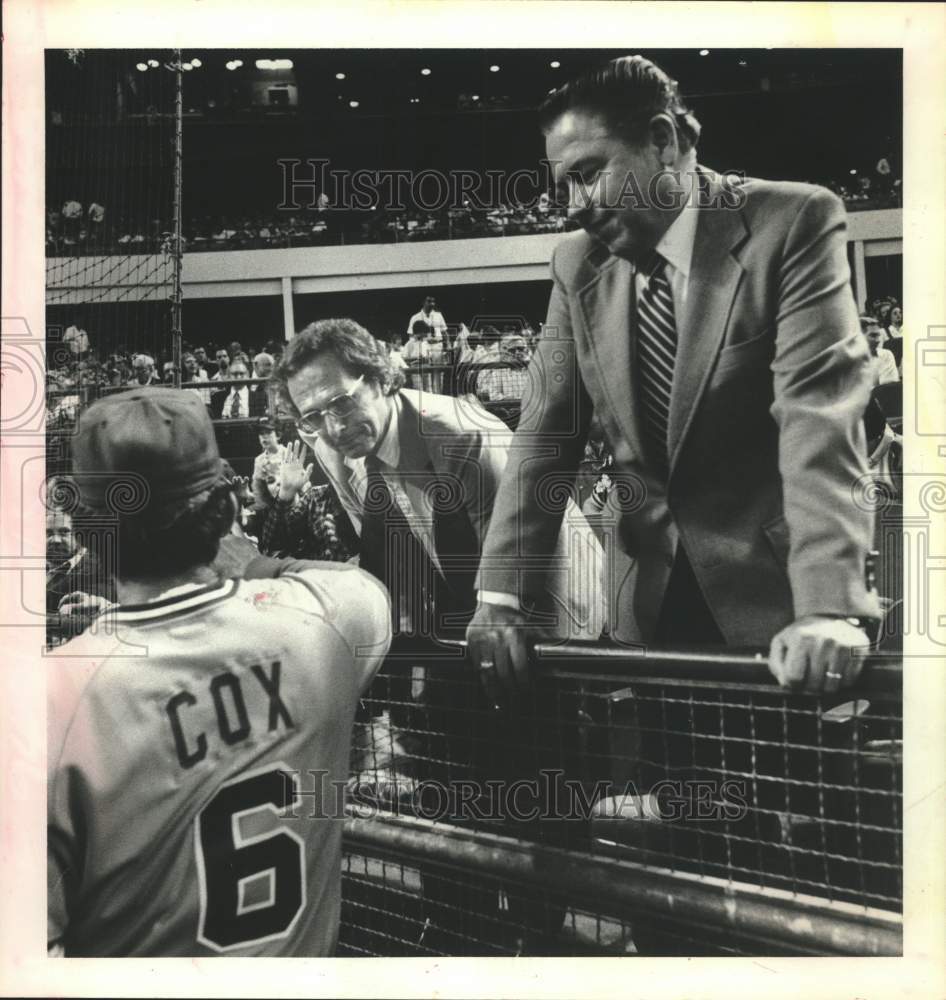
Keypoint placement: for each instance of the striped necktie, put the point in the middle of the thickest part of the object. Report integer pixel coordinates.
(235, 404)
(656, 354)
(391, 552)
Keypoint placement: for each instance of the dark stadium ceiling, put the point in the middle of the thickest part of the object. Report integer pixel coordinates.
(364, 82)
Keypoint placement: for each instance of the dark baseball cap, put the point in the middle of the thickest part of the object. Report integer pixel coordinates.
(162, 436)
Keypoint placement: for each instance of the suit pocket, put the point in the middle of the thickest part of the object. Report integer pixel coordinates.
(779, 538)
(749, 355)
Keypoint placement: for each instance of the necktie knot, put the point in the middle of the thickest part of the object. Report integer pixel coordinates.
(652, 264)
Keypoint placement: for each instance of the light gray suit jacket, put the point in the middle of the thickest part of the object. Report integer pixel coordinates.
(767, 451)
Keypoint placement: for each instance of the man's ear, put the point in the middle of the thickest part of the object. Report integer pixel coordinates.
(664, 139)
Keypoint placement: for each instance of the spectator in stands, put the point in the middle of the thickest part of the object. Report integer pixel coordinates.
(192, 374)
(462, 352)
(396, 353)
(234, 349)
(143, 373)
(76, 338)
(883, 363)
(223, 366)
(895, 324)
(510, 382)
(72, 220)
(882, 313)
(167, 371)
(62, 406)
(239, 401)
(207, 367)
(96, 223)
(304, 521)
(416, 353)
(72, 571)
(263, 365)
(437, 332)
(267, 465)
(487, 346)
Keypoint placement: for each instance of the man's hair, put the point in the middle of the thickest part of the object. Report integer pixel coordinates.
(174, 538)
(627, 92)
(420, 326)
(142, 360)
(352, 346)
(867, 322)
(265, 356)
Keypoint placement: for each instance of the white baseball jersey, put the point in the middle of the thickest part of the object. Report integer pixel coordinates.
(197, 759)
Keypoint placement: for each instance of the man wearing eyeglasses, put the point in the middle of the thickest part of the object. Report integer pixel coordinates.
(416, 474)
(375, 439)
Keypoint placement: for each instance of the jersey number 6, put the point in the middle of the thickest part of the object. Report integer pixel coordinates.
(233, 866)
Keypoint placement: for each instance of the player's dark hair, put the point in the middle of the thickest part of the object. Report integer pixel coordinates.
(627, 92)
(352, 346)
(167, 540)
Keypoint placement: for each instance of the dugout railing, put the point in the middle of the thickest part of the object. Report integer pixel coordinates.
(699, 809)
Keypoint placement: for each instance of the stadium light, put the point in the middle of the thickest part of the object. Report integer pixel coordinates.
(704, 52)
(742, 62)
(143, 67)
(425, 72)
(555, 64)
(196, 63)
(187, 66)
(274, 64)
(153, 63)
(234, 64)
(339, 76)
(494, 68)
(353, 104)
(476, 97)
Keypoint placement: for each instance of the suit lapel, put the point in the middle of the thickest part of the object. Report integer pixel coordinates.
(715, 274)
(608, 312)
(339, 475)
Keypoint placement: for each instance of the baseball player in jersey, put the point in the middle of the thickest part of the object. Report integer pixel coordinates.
(188, 739)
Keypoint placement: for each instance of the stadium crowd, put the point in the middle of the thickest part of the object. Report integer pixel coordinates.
(75, 229)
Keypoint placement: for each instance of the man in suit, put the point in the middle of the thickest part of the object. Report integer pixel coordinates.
(441, 459)
(711, 328)
(238, 401)
(417, 474)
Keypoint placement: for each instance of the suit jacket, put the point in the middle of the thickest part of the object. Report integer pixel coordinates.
(457, 451)
(257, 403)
(767, 451)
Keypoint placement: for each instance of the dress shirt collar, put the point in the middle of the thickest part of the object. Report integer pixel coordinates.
(676, 244)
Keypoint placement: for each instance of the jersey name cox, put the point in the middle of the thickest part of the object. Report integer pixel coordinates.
(239, 708)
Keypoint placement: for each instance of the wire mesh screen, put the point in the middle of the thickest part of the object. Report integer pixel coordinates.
(109, 190)
(739, 787)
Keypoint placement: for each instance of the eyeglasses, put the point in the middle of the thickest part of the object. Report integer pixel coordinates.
(339, 407)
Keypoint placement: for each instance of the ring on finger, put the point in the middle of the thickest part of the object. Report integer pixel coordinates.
(832, 674)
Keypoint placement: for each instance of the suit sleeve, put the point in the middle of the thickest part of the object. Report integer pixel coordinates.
(822, 383)
(543, 459)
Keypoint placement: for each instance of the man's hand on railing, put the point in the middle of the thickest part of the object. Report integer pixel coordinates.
(818, 653)
(499, 642)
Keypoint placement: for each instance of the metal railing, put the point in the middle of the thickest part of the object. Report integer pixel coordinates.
(698, 809)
